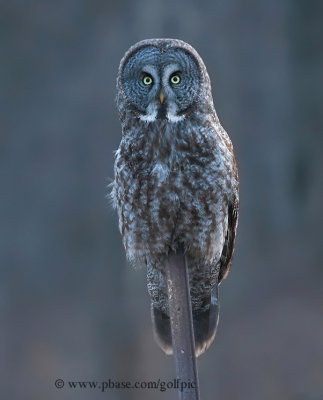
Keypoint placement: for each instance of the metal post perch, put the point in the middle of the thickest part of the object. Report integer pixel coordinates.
(181, 320)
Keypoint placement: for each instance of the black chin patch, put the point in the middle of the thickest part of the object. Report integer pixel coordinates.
(162, 111)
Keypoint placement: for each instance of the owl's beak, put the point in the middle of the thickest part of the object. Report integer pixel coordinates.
(161, 97)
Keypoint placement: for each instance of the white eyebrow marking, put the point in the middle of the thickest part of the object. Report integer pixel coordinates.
(151, 70)
(170, 69)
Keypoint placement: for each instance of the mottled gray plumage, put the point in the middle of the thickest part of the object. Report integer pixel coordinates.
(176, 181)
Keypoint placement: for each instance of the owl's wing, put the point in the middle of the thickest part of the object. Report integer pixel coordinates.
(226, 257)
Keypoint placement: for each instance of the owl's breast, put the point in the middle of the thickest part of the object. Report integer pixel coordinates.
(147, 200)
(166, 201)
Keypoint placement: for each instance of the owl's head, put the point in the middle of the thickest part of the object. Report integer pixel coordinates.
(162, 79)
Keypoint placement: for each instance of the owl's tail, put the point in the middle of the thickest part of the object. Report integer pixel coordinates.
(205, 324)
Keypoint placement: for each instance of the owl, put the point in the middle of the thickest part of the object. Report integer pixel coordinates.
(176, 179)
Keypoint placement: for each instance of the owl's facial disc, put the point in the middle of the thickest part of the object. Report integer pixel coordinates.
(161, 85)
(170, 82)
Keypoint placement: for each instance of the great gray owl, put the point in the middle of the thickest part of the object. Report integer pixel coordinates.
(176, 180)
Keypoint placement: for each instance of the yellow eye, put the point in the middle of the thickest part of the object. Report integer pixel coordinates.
(147, 80)
(175, 79)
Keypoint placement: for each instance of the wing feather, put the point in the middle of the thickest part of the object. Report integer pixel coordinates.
(228, 248)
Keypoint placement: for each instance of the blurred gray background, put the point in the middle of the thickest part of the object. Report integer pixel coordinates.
(70, 306)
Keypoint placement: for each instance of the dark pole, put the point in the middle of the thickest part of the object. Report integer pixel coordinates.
(181, 320)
